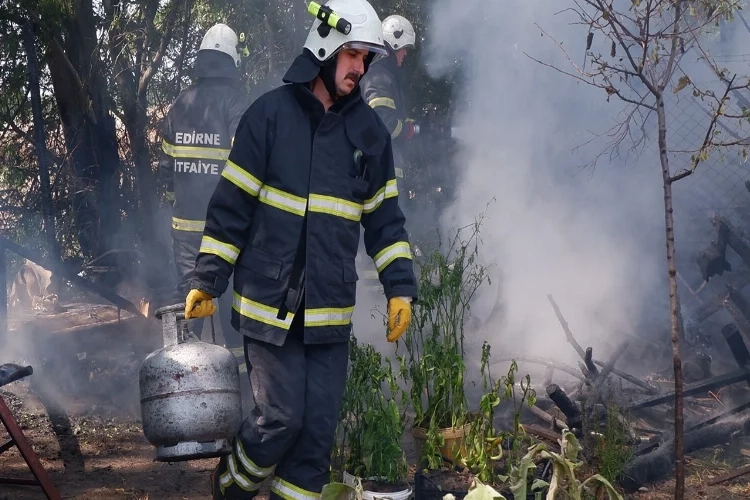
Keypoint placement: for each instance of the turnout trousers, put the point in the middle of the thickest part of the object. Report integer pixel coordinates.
(289, 436)
(185, 245)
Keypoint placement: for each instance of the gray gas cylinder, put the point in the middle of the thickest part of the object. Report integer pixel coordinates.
(190, 395)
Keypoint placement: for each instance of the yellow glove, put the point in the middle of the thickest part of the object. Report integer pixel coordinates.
(198, 305)
(399, 316)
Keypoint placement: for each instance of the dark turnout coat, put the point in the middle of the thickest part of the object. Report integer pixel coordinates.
(196, 140)
(286, 214)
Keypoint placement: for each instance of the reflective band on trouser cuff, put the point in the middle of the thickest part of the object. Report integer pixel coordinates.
(282, 200)
(240, 479)
(288, 491)
(196, 226)
(335, 206)
(389, 254)
(388, 191)
(202, 153)
(329, 316)
(259, 312)
(397, 131)
(215, 247)
(225, 481)
(249, 465)
(241, 178)
(385, 102)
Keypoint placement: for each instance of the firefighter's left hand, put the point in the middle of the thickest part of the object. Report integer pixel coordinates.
(399, 316)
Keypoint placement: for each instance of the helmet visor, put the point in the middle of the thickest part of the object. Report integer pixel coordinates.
(375, 49)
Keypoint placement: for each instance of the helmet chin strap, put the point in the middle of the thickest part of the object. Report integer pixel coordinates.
(328, 75)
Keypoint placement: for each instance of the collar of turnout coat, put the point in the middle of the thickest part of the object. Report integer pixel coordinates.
(363, 127)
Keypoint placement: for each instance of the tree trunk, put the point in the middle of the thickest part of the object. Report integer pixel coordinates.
(674, 302)
(29, 41)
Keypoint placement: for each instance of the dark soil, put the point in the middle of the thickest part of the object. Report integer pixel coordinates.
(449, 479)
(383, 487)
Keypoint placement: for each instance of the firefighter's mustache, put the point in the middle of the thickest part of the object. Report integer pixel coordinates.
(353, 77)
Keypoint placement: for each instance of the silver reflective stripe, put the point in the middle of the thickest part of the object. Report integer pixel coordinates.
(203, 153)
(335, 206)
(282, 200)
(390, 253)
(241, 178)
(194, 226)
(329, 316)
(225, 480)
(241, 480)
(288, 491)
(249, 465)
(388, 191)
(215, 247)
(259, 312)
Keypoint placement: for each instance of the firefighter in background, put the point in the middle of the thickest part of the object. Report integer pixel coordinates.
(382, 90)
(311, 162)
(196, 140)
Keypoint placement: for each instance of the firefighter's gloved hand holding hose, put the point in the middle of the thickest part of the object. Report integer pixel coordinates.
(399, 317)
(199, 304)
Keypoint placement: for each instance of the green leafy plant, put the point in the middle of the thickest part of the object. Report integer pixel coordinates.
(372, 425)
(433, 365)
(483, 448)
(564, 466)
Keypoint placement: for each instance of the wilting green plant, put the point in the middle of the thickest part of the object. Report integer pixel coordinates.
(372, 425)
(433, 365)
(564, 466)
(483, 447)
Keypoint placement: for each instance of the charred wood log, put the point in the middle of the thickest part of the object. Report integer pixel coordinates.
(541, 361)
(590, 366)
(657, 464)
(633, 380)
(696, 388)
(569, 408)
(712, 260)
(568, 334)
(739, 309)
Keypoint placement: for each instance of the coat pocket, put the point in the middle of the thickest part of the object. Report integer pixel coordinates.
(350, 271)
(262, 263)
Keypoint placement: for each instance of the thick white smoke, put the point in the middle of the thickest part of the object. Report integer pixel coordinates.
(592, 238)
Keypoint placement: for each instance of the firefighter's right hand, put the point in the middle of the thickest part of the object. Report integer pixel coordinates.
(199, 304)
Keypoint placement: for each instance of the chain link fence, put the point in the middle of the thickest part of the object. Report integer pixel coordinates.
(716, 187)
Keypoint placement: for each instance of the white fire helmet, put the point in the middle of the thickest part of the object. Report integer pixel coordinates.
(366, 31)
(222, 38)
(398, 33)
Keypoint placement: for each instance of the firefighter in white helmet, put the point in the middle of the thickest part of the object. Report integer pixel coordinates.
(196, 139)
(382, 89)
(311, 164)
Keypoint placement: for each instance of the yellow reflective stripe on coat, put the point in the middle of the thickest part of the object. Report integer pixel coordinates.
(249, 465)
(329, 316)
(203, 153)
(288, 491)
(390, 253)
(260, 312)
(385, 102)
(335, 206)
(195, 226)
(282, 200)
(397, 131)
(241, 178)
(388, 191)
(239, 479)
(215, 247)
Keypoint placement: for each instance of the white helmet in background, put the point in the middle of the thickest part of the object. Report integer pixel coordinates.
(365, 33)
(222, 38)
(398, 33)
